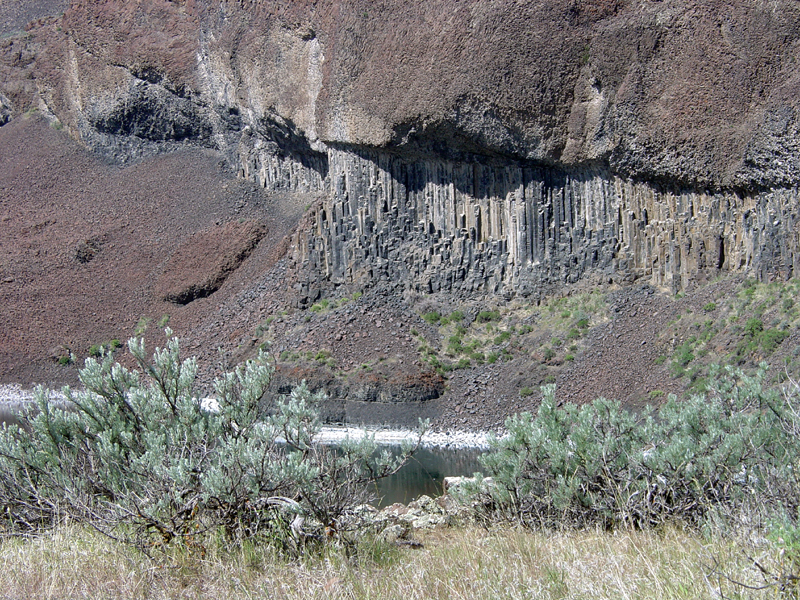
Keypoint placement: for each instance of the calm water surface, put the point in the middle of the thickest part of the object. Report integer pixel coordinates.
(425, 473)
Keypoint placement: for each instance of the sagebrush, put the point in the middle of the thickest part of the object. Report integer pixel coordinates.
(137, 454)
(732, 451)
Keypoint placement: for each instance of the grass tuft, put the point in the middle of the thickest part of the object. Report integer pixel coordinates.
(501, 563)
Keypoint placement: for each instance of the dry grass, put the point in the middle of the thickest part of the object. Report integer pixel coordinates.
(455, 563)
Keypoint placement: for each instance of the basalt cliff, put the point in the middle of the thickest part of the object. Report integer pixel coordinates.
(466, 150)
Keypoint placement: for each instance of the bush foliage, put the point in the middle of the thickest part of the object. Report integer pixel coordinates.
(733, 448)
(136, 454)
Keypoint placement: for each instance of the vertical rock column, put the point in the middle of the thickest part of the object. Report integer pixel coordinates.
(474, 227)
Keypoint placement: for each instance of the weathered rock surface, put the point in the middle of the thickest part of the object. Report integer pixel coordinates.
(466, 227)
(200, 266)
(398, 520)
(5, 110)
(14, 16)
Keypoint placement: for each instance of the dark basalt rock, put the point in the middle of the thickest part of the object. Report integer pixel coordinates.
(479, 148)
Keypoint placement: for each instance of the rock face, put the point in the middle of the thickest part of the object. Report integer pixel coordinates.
(467, 227)
(477, 147)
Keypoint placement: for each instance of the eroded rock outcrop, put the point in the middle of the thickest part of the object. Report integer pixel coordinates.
(474, 147)
(510, 228)
(469, 227)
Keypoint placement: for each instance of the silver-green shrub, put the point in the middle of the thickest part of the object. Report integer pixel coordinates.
(136, 454)
(729, 450)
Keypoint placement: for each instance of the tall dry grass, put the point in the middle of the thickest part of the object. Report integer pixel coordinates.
(454, 564)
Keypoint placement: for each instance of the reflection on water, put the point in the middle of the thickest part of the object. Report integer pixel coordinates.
(425, 473)
(9, 412)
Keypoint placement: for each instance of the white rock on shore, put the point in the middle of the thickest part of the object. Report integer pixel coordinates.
(13, 393)
(435, 439)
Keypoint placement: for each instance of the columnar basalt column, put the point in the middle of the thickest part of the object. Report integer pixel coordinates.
(467, 227)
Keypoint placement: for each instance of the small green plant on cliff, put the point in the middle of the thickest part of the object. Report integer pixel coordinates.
(141, 326)
(753, 327)
(558, 312)
(478, 357)
(322, 356)
(97, 350)
(454, 345)
(758, 340)
(432, 318)
(487, 316)
(585, 56)
(683, 356)
(320, 306)
(264, 327)
(456, 316)
(138, 456)
(502, 337)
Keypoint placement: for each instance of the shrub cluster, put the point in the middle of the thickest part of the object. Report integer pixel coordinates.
(600, 464)
(136, 454)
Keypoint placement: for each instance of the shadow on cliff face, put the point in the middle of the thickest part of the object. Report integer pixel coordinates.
(379, 393)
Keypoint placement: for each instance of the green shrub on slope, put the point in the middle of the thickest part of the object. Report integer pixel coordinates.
(137, 454)
(601, 464)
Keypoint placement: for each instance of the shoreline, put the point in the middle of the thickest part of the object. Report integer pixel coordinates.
(449, 440)
(14, 396)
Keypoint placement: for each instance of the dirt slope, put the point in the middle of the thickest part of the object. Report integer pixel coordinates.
(84, 243)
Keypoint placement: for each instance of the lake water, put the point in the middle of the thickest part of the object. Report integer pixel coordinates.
(425, 473)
